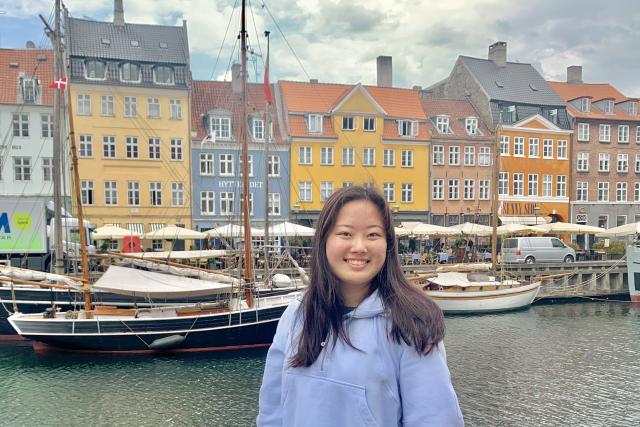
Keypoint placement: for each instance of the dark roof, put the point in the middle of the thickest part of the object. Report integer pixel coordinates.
(86, 40)
(516, 82)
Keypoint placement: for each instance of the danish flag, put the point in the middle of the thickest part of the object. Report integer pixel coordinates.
(61, 83)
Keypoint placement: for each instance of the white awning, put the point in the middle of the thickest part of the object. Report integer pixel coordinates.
(133, 282)
(525, 219)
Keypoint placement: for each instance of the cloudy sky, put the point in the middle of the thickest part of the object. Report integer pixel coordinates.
(339, 40)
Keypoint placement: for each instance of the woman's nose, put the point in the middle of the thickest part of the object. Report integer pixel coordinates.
(358, 244)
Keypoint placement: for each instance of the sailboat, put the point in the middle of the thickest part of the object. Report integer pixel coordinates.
(222, 324)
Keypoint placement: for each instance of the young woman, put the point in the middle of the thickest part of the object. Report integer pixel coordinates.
(362, 347)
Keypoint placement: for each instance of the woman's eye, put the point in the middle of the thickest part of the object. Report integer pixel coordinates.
(375, 235)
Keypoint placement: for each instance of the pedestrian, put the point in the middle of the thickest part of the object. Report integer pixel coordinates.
(362, 346)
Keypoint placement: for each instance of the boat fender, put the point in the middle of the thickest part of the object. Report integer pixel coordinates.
(167, 342)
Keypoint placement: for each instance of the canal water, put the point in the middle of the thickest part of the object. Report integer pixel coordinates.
(569, 364)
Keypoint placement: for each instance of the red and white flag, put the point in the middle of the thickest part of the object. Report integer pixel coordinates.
(60, 83)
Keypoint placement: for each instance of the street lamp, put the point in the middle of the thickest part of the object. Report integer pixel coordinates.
(536, 211)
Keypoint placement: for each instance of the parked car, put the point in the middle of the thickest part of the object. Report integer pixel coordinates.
(536, 249)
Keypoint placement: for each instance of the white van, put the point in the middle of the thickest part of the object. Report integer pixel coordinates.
(536, 249)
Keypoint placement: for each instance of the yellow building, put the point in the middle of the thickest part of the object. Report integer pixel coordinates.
(344, 135)
(130, 100)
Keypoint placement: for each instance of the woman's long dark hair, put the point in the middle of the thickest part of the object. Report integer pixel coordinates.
(415, 318)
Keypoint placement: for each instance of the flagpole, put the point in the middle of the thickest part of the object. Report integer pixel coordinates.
(267, 135)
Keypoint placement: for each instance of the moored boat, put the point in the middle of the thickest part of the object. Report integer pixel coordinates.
(633, 269)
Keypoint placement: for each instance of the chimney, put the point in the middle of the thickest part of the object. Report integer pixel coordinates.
(236, 78)
(30, 45)
(118, 13)
(498, 53)
(574, 74)
(313, 80)
(385, 75)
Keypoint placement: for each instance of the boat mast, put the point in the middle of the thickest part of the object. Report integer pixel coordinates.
(57, 144)
(495, 171)
(267, 135)
(248, 274)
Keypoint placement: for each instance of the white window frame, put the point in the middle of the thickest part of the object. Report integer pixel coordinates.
(547, 185)
(369, 124)
(172, 75)
(454, 155)
(407, 128)
(582, 191)
(504, 145)
(227, 200)
(225, 164)
(155, 193)
(583, 131)
(605, 133)
(257, 129)
(518, 184)
(153, 107)
(85, 146)
(220, 127)
(305, 191)
(469, 155)
(176, 149)
(471, 125)
(111, 193)
(368, 156)
(469, 187)
(561, 186)
(314, 123)
(534, 147)
(623, 134)
(484, 189)
(326, 156)
(83, 104)
(133, 193)
(621, 192)
(274, 204)
(518, 146)
(437, 189)
(107, 106)
(348, 123)
(154, 148)
(604, 163)
(442, 124)
(503, 183)
(532, 184)
(603, 191)
(388, 157)
(175, 109)
(406, 158)
(87, 192)
(326, 190)
(582, 161)
(453, 189)
(406, 192)
(484, 157)
(207, 164)
(562, 149)
(437, 155)
(585, 105)
(109, 147)
(348, 156)
(547, 149)
(305, 155)
(132, 148)
(207, 203)
(273, 166)
(622, 164)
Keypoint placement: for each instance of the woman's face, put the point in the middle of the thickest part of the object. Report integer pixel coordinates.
(357, 246)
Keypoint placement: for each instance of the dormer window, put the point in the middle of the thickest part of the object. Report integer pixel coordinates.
(348, 123)
(130, 72)
(163, 75)
(471, 125)
(95, 69)
(633, 108)
(314, 123)
(407, 128)
(258, 130)
(29, 90)
(442, 124)
(608, 106)
(552, 115)
(585, 105)
(509, 114)
(220, 127)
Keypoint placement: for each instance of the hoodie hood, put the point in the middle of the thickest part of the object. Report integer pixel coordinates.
(371, 306)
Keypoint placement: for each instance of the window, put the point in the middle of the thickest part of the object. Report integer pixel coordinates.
(176, 149)
(22, 168)
(547, 149)
(623, 163)
(534, 147)
(503, 183)
(348, 123)
(406, 193)
(226, 165)
(326, 190)
(636, 194)
(608, 106)
(177, 194)
(29, 90)
(603, 162)
(175, 109)
(509, 114)
(326, 156)
(46, 122)
(518, 146)
(605, 133)
(603, 221)
(274, 166)
(348, 156)
(518, 184)
(85, 143)
(547, 181)
(369, 156)
(637, 134)
(583, 162)
(438, 189)
(109, 147)
(95, 70)
(206, 164)
(583, 131)
(106, 105)
(153, 108)
(304, 155)
(471, 125)
(603, 191)
(454, 189)
(163, 75)
(369, 124)
(438, 154)
(407, 128)
(130, 106)
(258, 129)
(469, 156)
(154, 148)
(130, 72)
(442, 124)
(226, 203)
(562, 150)
(484, 158)
(469, 189)
(532, 188)
(155, 193)
(133, 193)
(47, 168)
(389, 191)
(623, 134)
(484, 189)
(552, 115)
(274, 204)
(84, 105)
(86, 192)
(131, 145)
(304, 191)
(454, 155)
(582, 191)
(585, 105)
(207, 202)
(314, 123)
(406, 160)
(633, 108)
(561, 186)
(220, 127)
(637, 163)
(621, 192)
(621, 220)
(110, 193)
(504, 146)
(388, 157)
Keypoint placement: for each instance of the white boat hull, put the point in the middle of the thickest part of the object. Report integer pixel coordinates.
(633, 268)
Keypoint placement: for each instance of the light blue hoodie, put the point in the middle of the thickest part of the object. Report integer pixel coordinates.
(384, 385)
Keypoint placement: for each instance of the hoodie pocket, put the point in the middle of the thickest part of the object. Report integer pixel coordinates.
(311, 400)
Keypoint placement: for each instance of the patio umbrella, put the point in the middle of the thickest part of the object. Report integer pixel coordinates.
(567, 227)
(473, 229)
(171, 232)
(434, 230)
(289, 229)
(401, 231)
(514, 228)
(230, 231)
(622, 230)
(112, 232)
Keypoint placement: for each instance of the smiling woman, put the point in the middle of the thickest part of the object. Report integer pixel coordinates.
(361, 337)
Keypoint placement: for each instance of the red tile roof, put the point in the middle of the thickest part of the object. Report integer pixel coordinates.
(27, 63)
(457, 110)
(595, 91)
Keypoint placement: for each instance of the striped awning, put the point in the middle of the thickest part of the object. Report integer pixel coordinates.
(137, 227)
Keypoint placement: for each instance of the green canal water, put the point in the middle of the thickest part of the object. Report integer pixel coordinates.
(573, 364)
